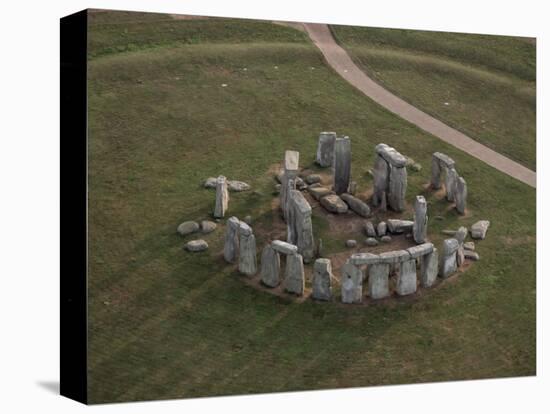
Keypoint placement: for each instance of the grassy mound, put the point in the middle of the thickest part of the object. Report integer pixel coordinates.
(164, 323)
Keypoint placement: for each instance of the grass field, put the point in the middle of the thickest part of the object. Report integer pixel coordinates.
(482, 85)
(164, 323)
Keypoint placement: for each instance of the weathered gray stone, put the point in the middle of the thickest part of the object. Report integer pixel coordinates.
(325, 149)
(479, 229)
(381, 174)
(359, 259)
(435, 181)
(448, 263)
(420, 227)
(299, 225)
(288, 178)
(342, 164)
(420, 250)
(210, 182)
(369, 229)
(237, 186)
(284, 247)
(357, 205)
(231, 244)
(450, 246)
(352, 283)
(379, 286)
(394, 158)
(371, 242)
(247, 250)
(461, 195)
(300, 184)
(429, 268)
(290, 185)
(384, 203)
(313, 179)
(386, 238)
(451, 177)
(394, 257)
(322, 280)
(291, 161)
(270, 267)
(382, 228)
(469, 246)
(470, 255)
(397, 188)
(334, 204)
(196, 245)
(444, 159)
(319, 192)
(294, 274)
(208, 226)
(353, 187)
(406, 278)
(461, 235)
(188, 227)
(222, 197)
(460, 256)
(351, 243)
(399, 226)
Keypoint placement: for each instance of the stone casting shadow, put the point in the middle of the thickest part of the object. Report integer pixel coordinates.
(51, 386)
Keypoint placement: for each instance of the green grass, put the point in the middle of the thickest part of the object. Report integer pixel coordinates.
(479, 84)
(164, 323)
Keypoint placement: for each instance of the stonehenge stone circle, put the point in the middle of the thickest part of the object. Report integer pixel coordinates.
(406, 278)
(342, 164)
(231, 244)
(222, 197)
(420, 226)
(352, 283)
(322, 279)
(358, 206)
(448, 263)
(247, 250)
(299, 225)
(390, 177)
(290, 172)
(379, 285)
(429, 268)
(325, 149)
(270, 267)
(294, 274)
(479, 229)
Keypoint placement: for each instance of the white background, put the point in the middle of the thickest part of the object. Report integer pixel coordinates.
(29, 204)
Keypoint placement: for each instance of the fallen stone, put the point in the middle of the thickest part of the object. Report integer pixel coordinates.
(359, 259)
(334, 204)
(420, 226)
(351, 243)
(270, 267)
(319, 192)
(469, 246)
(300, 184)
(210, 182)
(479, 229)
(284, 247)
(196, 245)
(448, 232)
(188, 227)
(357, 205)
(325, 149)
(208, 226)
(342, 164)
(371, 242)
(470, 255)
(399, 226)
(379, 286)
(406, 278)
(294, 274)
(322, 280)
(231, 243)
(382, 229)
(313, 179)
(352, 283)
(429, 268)
(385, 239)
(369, 229)
(237, 186)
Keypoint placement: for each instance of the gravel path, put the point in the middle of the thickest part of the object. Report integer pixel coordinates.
(340, 61)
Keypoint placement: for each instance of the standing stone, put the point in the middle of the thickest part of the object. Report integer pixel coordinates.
(461, 234)
(381, 173)
(325, 149)
(382, 229)
(436, 173)
(384, 203)
(247, 250)
(231, 245)
(369, 229)
(406, 278)
(352, 283)
(451, 178)
(429, 268)
(290, 186)
(270, 267)
(222, 197)
(299, 225)
(379, 286)
(397, 188)
(322, 279)
(420, 226)
(294, 274)
(461, 195)
(448, 263)
(290, 172)
(342, 164)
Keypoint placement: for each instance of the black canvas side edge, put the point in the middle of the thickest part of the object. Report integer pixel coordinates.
(73, 172)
